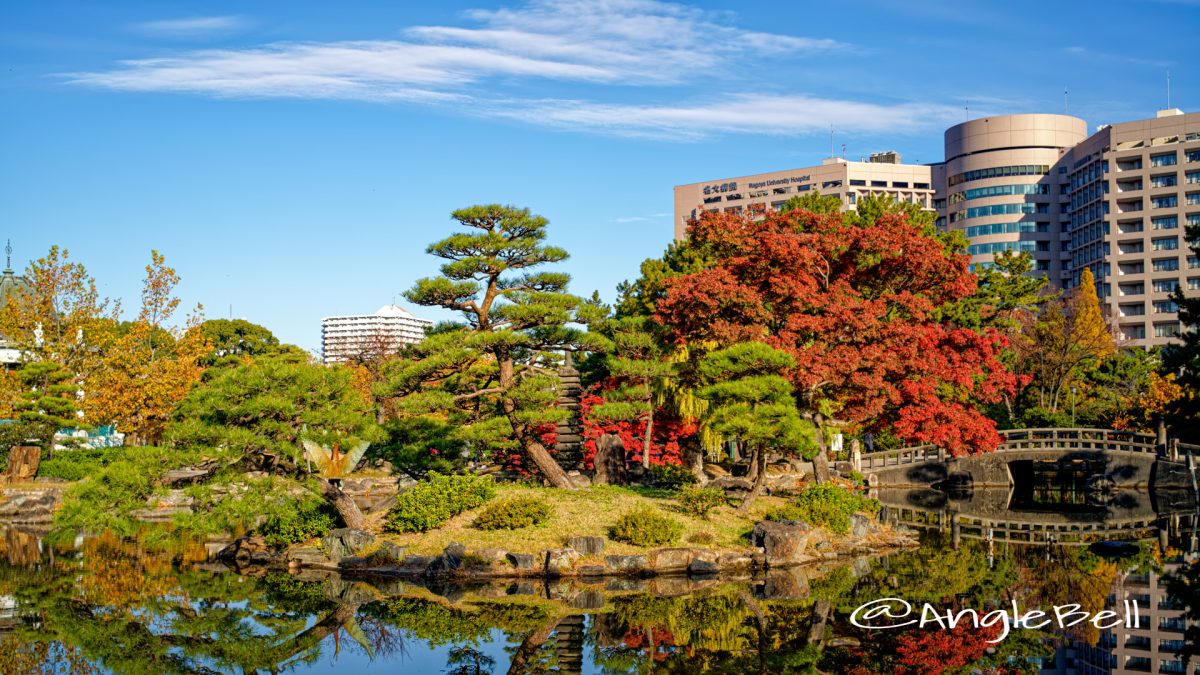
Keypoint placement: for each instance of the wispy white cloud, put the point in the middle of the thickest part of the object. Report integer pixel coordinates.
(192, 27)
(761, 114)
(617, 43)
(1092, 54)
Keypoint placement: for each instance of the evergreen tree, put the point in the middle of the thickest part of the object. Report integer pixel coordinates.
(1182, 358)
(494, 375)
(49, 395)
(751, 400)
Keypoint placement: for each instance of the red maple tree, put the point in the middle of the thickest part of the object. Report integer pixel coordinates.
(859, 307)
(665, 444)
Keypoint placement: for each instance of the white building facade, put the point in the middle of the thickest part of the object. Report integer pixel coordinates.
(363, 337)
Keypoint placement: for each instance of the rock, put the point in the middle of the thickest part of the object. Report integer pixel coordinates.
(416, 564)
(786, 584)
(589, 599)
(850, 642)
(560, 561)
(23, 462)
(587, 545)
(843, 468)
(592, 571)
(783, 543)
(189, 474)
(388, 553)
(522, 561)
(247, 550)
(450, 559)
(492, 555)
(523, 588)
(734, 561)
(344, 542)
(579, 480)
(624, 584)
(309, 556)
(626, 564)
(714, 471)
(701, 567)
(172, 499)
(821, 468)
(860, 525)
(29, 507)
(669, 560)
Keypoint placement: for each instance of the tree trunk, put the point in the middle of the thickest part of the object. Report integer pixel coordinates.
(346, 508)
(646, 442)
(821, 467)
(551, 471)
(530, 645)
(759, 460)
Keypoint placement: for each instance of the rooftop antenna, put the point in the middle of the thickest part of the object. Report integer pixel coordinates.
(843, 151)
(967, 111)
(8, 256)
(1168, 88)
(1066, 105)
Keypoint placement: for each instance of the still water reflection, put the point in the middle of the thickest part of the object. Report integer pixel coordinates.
(104, 604)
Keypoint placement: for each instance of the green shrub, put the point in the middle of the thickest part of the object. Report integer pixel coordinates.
(697, 501)
(671, 476)
(431, 503)
(301, 524)
(79, 464)
(513, 514)
(646, 527)
(826, 505)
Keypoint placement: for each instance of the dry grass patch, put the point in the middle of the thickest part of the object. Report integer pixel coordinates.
(586, 512)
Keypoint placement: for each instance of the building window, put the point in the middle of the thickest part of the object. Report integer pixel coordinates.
(1193, 155)
(1193, 262)
(1166, 180)
(1166, 244)
(1164, 286)
(1193, 284)
(1164, 202)
(1166, 159)
(831, 184)
(1133, 332)
(1132, 289)
(1166, 265)
(1192, 176)
(899, 184)
(1193, 199)
(879, 183)
(1165, 222)
(921, 186)
(858, 181)
(1166, 330)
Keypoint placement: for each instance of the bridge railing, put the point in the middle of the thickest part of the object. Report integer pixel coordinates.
(1082, 440)
(902, 457)
(1017, 440)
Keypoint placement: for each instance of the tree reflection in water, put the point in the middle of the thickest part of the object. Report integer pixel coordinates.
(115, 605)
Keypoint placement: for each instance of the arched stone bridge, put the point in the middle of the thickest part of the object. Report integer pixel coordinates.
(1126, 458)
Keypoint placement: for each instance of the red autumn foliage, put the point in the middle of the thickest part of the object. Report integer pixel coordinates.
(858, 308)
(933, 652)
(516, 461)
(665, 446)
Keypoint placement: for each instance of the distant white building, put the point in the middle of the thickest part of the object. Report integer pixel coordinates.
(353, 338)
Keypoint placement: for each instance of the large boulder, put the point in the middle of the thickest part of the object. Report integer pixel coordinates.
(249, 551)
(23, 462)
(784, 543)
(33, 506)
(560, 561)
(189, 475)
(346, 542)
(587, 545)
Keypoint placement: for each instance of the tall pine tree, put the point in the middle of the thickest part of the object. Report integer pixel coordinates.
(493, 376)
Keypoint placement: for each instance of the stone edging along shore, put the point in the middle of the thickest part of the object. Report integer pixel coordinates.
(774, 545)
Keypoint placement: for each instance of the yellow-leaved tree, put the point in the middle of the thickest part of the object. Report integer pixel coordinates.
(149, 365)
(60, 317)
(1090, 330)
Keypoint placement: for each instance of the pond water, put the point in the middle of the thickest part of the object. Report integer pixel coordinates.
(107, 605)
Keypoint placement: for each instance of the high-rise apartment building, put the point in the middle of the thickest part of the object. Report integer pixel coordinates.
(1116, 201)
(368, 336)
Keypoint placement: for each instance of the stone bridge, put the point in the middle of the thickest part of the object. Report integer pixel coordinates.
(1124, 458)
(990, 515)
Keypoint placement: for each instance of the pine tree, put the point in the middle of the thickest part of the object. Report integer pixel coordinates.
(751, 400)
(1182, 358)
(49, 395)
(493, 376)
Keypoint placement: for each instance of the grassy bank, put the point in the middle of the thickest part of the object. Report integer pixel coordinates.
(589, 511)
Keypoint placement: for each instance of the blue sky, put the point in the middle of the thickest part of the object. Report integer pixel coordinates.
(293, 159)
